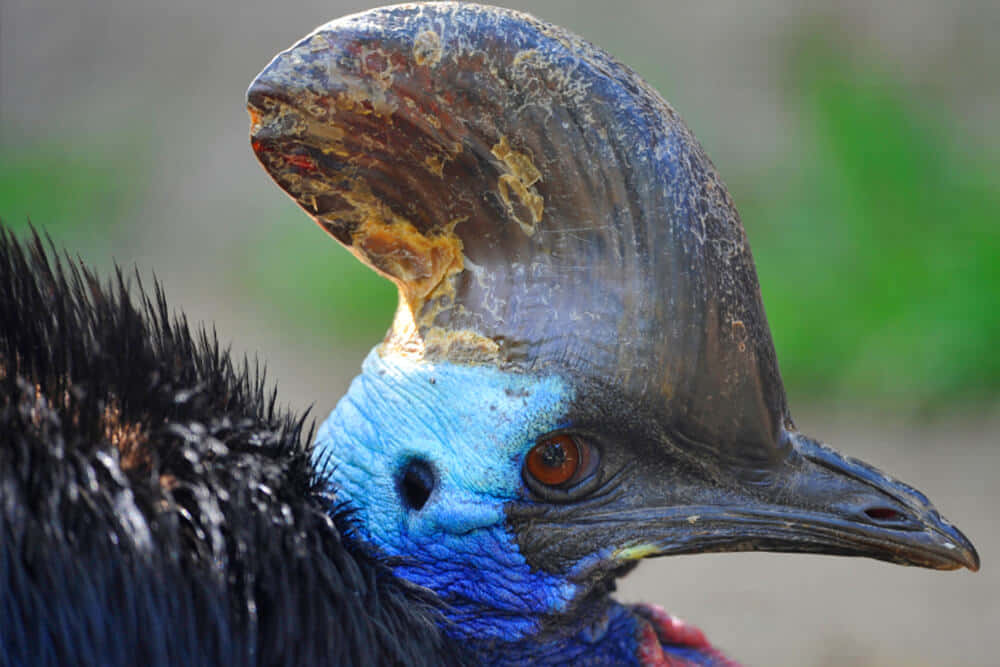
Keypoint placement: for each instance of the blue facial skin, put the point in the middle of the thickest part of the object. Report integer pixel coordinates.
(473, 425)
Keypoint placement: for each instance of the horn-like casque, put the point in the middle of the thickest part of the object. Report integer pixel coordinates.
(538, 205)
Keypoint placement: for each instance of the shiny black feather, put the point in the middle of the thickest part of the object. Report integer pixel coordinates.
(156, 507)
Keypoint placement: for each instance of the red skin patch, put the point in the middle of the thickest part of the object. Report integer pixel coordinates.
(662, 628)
(303, 162)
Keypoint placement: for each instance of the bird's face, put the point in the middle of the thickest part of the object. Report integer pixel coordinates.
(580, 373)
(430, 455)
(517, 498)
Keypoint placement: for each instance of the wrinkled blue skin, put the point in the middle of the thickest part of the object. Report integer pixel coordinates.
(474, 425)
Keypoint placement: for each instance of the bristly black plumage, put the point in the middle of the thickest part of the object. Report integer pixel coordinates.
(156, 508)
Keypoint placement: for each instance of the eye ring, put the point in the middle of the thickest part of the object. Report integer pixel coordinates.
(561, 466)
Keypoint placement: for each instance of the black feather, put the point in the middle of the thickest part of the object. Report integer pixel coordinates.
(157, 508)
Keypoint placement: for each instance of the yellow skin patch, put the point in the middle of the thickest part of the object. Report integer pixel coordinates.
(416, 262)
(419, 263)
(636, 552)
(421, 266)
(405, 339)
(519, 181)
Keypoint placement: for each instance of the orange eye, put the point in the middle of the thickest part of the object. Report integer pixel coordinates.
(555, 460)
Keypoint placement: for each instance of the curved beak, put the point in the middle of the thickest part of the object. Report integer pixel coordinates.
(817, 501)
(825, 503)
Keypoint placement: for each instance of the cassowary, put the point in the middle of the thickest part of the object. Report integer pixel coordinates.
(579, 375)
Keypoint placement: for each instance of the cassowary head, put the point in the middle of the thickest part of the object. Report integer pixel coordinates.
(580, 372)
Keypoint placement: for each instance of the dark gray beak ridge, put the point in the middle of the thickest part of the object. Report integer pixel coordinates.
(895, 520)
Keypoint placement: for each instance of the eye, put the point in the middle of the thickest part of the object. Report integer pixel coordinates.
(559, 460)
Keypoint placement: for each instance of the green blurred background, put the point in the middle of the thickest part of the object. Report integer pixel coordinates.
(860, 141)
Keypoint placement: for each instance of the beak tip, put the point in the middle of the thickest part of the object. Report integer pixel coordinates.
(970, 557)
(959, 547)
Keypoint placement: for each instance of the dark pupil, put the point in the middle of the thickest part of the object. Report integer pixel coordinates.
(553, 455)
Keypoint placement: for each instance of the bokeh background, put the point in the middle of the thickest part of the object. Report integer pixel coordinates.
(861, 142)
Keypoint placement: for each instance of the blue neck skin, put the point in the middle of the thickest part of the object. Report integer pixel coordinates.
(473, 426)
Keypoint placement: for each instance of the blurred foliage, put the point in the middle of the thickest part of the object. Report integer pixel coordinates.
(320, 284)
(78, 194)
(879, 261)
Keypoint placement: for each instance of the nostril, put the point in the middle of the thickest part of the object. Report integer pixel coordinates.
(884, 515)
(416, 482)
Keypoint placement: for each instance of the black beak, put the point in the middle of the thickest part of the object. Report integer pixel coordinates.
(845, 506)
(823, 502)
(817, 501)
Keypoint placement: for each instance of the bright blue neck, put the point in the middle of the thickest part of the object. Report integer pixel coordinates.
(473, 425)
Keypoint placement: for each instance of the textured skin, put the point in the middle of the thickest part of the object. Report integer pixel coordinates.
(473, 425)
(155, 508)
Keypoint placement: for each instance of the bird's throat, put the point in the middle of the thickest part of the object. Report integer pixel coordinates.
(608, 632)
